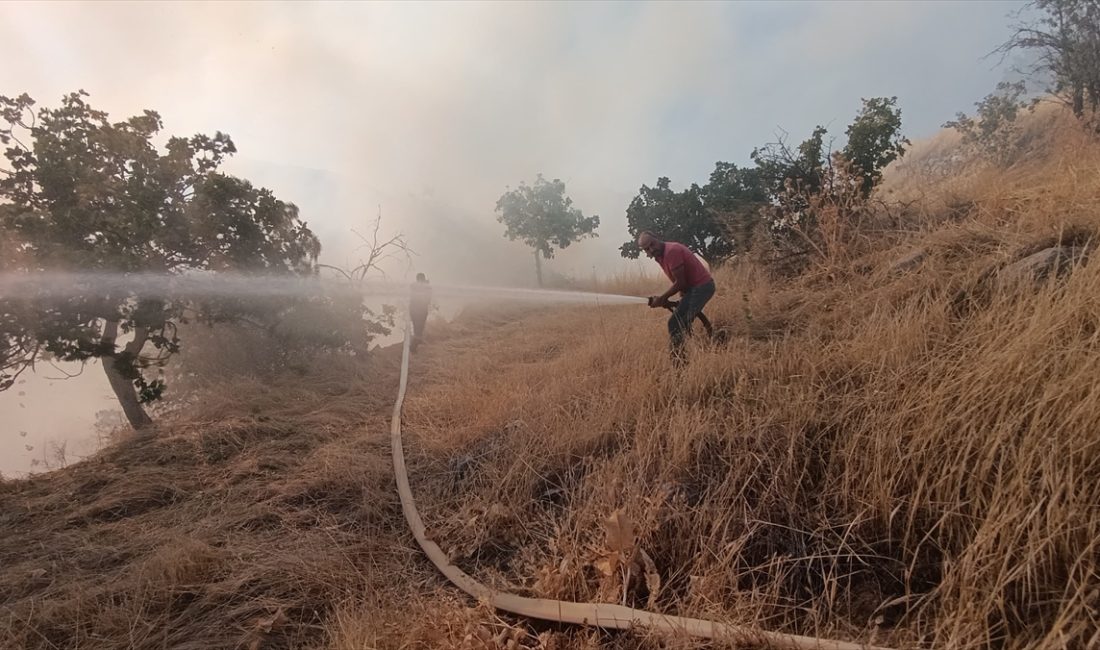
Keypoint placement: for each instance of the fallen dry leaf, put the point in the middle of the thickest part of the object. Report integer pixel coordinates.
(264, 626)
(620, 534)
(275, 621)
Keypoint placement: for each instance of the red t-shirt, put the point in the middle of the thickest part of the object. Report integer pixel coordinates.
(677, 255)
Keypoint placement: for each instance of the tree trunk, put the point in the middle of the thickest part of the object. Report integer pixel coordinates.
(123, 387)
(538, 267)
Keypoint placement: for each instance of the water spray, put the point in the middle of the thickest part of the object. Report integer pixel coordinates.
(58, 285)
(198, 285)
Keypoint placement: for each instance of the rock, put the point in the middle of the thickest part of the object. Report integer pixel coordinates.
(909, 261)
(1038, 266)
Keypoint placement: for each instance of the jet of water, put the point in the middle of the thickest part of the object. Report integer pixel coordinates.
(58, 285)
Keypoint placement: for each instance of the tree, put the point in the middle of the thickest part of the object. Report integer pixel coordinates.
(714, 220)
(795, 176)
(82, 193)
(679, 216)
(544, 218)
(718, 219)
(378, 250)
(735, 197)
(780, 166)
(1066, 43)
(791, 176)
(347, 310)
(875, 140)
(993, 131)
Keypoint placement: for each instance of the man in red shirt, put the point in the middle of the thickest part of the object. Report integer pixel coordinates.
(689, 278)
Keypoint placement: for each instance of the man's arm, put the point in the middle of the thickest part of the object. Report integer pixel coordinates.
(679, 284)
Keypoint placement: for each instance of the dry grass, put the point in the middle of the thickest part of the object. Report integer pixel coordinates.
(635, 282)
(901, 456)
(906, 457)
(243, 523)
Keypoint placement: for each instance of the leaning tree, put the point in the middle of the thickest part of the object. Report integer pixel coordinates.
(80, 193)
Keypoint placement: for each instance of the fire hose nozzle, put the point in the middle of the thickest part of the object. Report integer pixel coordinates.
(671, 305)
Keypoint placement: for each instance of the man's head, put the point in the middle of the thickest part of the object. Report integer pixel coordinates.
(649, 243)
(420, 277)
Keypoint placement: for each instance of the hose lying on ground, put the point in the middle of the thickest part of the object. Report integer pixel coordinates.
(604, 615)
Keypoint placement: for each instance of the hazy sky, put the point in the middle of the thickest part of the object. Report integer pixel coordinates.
(431, 110)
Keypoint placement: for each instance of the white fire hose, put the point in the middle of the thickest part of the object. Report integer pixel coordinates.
(604, 615)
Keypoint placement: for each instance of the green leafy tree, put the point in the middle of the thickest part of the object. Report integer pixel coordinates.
(715, 220)
(543, 217)
(875, 140)
(796, 177)
(80, 192)
(718, 219)
(736, 196)
(817, 197)
(791, 176)
(1065, 42)
(993, 132)
(677, 216)
(732, 188)
(781, 166)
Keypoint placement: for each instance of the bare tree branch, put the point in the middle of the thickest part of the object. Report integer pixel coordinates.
(68, 375)
(377, 252)
(335, 268)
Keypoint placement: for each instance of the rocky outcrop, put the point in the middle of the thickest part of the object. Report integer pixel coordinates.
(1039, 266)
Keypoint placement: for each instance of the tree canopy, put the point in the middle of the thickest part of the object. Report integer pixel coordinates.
(992, 131)
(713, 220)
(1064, 38)
(82, 193)
(718, 219)
(875, 140)
(543, 217)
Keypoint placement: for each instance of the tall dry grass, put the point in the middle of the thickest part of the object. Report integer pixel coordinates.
(243, 522)
(907, 457)
(903, 455)
(637, 281)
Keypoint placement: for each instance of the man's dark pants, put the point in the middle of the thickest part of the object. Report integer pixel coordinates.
(419, 317)
(692, 302)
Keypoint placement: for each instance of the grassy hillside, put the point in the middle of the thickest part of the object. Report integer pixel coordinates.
(898, 445)
(903, 453)
(245, 520)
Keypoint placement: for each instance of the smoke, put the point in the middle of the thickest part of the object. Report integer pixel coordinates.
(432, 110)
